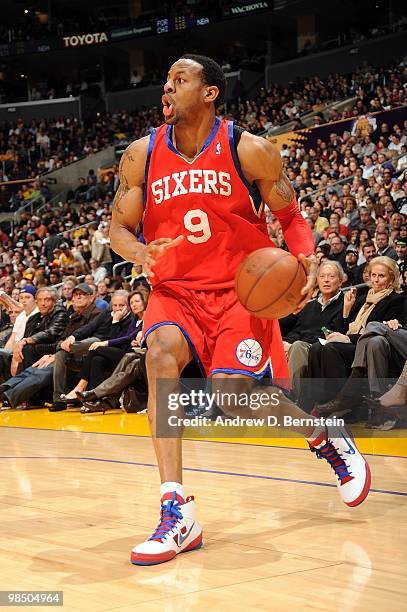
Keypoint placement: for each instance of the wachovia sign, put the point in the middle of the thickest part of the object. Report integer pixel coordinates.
(82, 40)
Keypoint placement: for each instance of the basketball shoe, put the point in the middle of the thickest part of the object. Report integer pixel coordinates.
(337, 446)
(177, 531)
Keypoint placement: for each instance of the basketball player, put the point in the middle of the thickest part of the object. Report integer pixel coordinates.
(200, 183)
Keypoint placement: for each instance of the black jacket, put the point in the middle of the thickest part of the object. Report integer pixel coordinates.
(48, 329)
(388, 252)
(76, 321)
(307, 324)
(102, 327)
(352, 274)
(391, 307)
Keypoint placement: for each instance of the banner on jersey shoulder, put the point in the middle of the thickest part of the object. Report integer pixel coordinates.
(363, 126)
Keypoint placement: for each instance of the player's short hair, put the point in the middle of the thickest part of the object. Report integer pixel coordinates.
(212, 74)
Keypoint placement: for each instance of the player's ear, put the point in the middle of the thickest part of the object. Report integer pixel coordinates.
(211, 93)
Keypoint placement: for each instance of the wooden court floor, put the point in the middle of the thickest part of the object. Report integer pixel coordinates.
(77, 493)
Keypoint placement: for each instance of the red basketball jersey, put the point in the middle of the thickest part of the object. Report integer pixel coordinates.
(208, 201)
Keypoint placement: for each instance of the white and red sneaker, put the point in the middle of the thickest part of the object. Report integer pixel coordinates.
(337, 446)
(177, 531)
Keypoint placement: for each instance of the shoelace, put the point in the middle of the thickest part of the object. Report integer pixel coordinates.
(170, 513)
(335, 460)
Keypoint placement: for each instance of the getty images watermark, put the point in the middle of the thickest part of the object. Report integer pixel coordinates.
(207, 411)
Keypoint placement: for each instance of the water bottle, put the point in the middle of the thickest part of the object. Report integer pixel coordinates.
(326, 331)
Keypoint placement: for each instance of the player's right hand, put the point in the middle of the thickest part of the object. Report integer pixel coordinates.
(156, 249)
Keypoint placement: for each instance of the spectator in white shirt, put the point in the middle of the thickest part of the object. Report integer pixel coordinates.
(99, 273)
(368, 167)
(43, 139)
(395, 144)
(402, 162)
(27, 300)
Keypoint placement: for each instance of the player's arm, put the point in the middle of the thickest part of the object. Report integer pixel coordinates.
(128, 211)
(261, 163)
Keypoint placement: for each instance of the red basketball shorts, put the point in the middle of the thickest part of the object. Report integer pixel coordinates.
(222, 335)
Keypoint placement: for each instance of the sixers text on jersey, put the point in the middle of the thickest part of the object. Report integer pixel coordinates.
(191, 181)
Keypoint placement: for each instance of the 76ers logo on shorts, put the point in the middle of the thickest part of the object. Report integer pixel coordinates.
(249, 352)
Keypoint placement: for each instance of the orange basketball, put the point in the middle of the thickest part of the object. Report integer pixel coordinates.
(269, 283)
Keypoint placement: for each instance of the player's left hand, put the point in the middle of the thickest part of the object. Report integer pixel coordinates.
(310, 264)
(394, 324)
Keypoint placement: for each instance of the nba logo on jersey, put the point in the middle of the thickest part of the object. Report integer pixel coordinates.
(218, 148)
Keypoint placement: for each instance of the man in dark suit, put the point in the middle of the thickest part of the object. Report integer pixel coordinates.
(300, 332)
(19, 390)
(383, 248)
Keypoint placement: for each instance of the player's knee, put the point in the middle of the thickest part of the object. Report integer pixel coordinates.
(232, 393)
(158, 357)
(162, 359)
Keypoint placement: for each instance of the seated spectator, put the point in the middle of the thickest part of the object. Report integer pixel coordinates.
(106, 326)
(364, 236)
(66, 258)
(100, 246)
(364, 220)
(127, 381)
(80, 266)
(104, 356)
(351, 212)
(351, 267)
(320, 223)
(29, 308)
(52, 241)
(45, 327)
(383, 248)
(395, 224)
(101, 304)
(400, 245)
(68, 286)
(335, 227)
(305, 329)
(98, 272)
(7, 329)
(382, 303)
(381, 351)
(19, 390)
(338, 249)
(368, 253)
(102, 291)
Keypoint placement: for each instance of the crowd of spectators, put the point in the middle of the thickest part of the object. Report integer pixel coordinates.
(373, 89)
(352, 191)
(46, 145)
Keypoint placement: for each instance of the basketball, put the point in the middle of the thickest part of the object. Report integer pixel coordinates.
(269, 283)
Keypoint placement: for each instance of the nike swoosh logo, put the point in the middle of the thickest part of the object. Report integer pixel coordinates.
(351, 450)
(182, 538)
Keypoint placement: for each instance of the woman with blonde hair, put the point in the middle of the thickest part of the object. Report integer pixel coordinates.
(381, 352)
(332, 362)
